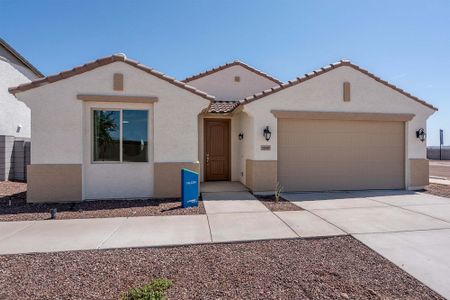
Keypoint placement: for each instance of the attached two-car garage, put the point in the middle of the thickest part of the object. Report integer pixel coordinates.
(339, 127)
(341, 151)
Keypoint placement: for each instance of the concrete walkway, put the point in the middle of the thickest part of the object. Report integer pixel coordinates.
(239, 216)
(410, 229)
(231, 216)
(222, 186)
(88, 234)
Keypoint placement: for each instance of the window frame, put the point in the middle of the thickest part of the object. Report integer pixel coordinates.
(92, 135)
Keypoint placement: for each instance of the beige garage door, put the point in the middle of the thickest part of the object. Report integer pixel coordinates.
(319, 155)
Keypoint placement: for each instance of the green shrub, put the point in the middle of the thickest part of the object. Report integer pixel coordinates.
(155, 290)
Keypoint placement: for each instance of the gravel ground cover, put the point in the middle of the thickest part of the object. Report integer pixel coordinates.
(438, 190)
(282, 205)
(14, 193)
(329, 268)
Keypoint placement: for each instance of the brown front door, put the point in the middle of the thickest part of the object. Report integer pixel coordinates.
(217, 149)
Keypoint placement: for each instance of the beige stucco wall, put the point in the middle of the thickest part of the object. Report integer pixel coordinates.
(324, 93)
(168, 178)
(221, 84)
(419, 173)
(261, 175)
(247, 144)
(54, 183)
(59, 135)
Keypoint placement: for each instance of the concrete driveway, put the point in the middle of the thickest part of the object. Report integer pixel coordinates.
(410, 229)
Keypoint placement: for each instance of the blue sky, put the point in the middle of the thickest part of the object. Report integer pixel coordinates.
(404, 42)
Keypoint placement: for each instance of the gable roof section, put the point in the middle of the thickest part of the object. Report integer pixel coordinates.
(102, 62)
(20, 58)
(324, 70)
(228, 65)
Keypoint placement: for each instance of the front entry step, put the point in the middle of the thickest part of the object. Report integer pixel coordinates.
(227, 196)
(222, 186)
(232, 202)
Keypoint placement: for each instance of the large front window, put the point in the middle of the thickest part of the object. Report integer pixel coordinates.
(120, 136)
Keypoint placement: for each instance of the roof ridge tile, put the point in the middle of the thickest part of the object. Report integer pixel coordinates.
(101, 62)
(230, 64)
(325, 69)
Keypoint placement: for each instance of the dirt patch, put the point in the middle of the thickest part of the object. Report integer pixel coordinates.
(281, 205)
(438, 190)
(440, 168)
(13, 207)
(330, 268)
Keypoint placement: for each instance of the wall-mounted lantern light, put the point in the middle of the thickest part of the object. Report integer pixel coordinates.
(241, 136)
(421, 135)
(267, 134)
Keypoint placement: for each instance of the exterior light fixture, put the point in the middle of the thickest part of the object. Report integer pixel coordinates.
(53, 213)
(241, 136)
(421, 135)
(267, 134)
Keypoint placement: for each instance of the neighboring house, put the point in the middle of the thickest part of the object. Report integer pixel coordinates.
(14, 115)
(114, 128)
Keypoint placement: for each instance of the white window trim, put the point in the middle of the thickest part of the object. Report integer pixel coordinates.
(93, 161)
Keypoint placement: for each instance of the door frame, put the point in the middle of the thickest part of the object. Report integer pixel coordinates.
(205, 144)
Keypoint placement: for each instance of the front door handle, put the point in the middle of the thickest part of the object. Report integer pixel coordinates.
(207, 158)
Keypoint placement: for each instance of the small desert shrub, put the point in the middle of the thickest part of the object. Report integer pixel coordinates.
(278, 190)
(155, 290)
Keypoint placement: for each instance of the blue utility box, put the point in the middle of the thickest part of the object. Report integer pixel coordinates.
(189, 188)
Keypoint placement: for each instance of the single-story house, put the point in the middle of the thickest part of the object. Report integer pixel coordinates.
(15, 129)
(114, 128)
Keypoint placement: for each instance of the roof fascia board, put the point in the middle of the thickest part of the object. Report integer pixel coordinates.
(335, 115)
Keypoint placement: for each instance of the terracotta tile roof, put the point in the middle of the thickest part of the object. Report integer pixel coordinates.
(21, 58)
(323, 70)
(105, 61)
(223, 106)
(228, 65)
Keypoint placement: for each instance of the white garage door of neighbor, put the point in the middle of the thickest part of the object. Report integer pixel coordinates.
(320, 155)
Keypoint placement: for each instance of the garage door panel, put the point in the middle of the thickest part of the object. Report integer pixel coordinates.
(346, 153)
(338, 169)
(318, 155)
(343, 138)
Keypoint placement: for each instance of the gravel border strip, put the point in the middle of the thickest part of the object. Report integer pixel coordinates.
(320, 268)
(15, 192)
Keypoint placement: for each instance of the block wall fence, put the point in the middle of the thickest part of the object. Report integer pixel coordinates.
(14, 158)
